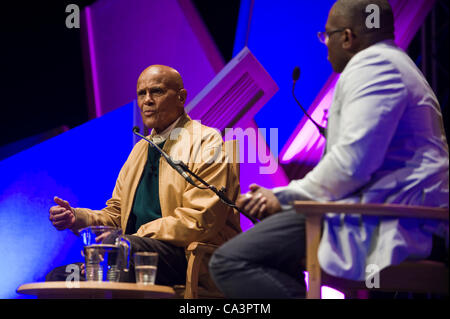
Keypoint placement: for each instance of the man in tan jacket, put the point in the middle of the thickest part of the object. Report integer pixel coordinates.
(157, 209)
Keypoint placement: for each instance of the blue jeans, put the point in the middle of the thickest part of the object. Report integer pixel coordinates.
(266, 261)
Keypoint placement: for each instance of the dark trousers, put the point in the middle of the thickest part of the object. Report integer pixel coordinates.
(171, 270)
(265, 261)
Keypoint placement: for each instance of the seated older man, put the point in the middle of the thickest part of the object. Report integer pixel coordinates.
(157, 208)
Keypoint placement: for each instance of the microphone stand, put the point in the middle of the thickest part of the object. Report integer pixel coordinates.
(182, 169)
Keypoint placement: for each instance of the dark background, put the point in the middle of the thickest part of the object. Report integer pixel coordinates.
(42, 71)
(42, 85)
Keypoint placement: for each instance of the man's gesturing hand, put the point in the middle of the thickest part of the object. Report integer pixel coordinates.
(62, 216)
(260, 202)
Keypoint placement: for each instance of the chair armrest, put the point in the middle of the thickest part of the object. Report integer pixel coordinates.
(388, 210)
(314, 212)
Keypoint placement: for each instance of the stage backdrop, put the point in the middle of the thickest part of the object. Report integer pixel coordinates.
(81, 165)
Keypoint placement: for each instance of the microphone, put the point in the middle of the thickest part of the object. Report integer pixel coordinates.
(178, 165)
(296, 74)
(295, 77)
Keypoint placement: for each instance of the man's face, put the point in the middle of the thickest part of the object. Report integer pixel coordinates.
(159, 98)
(337, 55)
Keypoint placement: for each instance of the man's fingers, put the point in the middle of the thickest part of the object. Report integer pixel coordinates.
(262, 211)
(252, 202)
(60, 216)
(242, 200)
(254, 210)
(56, 210)
(61, 202)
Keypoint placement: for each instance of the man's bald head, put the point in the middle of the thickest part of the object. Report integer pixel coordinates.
(160, 96)
(169, 76)
(354, 14)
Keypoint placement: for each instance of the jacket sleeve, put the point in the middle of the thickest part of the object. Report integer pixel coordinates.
(202, 214)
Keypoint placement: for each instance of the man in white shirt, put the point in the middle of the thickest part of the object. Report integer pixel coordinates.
(385, 144)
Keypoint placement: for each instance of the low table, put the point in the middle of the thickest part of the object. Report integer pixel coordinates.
(95, 290)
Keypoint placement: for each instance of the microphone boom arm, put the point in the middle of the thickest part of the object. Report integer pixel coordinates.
(182, 169)
(220, 193)
(295, 77)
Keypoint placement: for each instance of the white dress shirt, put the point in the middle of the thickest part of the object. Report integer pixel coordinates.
(385, 144)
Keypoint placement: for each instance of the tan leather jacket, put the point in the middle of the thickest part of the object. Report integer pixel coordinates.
(188, 213)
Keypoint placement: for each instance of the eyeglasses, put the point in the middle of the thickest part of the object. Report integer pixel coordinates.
(324, 35)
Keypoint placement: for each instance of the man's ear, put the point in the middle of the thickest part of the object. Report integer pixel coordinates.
(349, 39)
(182, 94)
